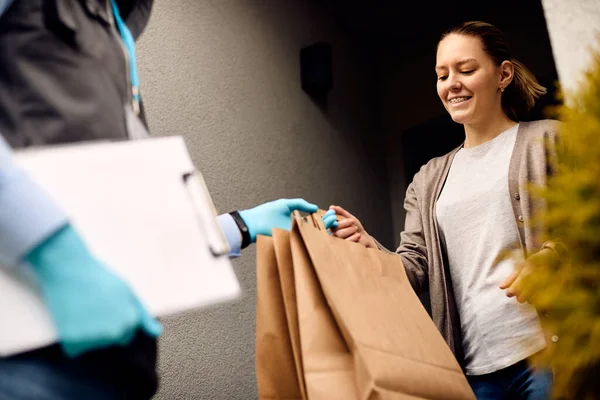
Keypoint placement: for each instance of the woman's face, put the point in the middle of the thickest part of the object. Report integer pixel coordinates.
(468, 80)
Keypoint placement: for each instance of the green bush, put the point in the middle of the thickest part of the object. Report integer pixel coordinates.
(568, 292)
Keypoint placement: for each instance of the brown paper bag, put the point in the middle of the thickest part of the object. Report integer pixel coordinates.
(289, 306)
(398, 353)
(283, 253)
(276, 373)
(326, 360)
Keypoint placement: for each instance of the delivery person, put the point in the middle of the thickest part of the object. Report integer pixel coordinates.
(68, 74)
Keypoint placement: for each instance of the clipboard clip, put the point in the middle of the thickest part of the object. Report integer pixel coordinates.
(206, 213)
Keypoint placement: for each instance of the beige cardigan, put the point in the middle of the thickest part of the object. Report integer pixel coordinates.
(420, 246)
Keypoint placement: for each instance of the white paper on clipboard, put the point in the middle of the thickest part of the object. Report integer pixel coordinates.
(145, 212)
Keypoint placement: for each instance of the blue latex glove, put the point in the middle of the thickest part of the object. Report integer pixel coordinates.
(90, 306)
(330, 219)
(262, 219)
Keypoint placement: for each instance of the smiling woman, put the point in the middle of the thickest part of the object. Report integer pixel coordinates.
(480, 84)
(465, 209)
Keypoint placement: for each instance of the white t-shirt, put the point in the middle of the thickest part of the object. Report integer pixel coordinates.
(476, 224)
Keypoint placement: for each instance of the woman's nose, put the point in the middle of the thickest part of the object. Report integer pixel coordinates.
(453, 83)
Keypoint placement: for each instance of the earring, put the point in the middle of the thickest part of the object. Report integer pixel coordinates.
(502, 89)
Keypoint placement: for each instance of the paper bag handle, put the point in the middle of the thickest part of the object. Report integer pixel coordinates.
(316, 219)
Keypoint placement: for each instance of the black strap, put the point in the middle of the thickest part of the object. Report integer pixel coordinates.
(246, 239)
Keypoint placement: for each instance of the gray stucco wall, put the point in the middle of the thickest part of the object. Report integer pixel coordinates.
(225, 74)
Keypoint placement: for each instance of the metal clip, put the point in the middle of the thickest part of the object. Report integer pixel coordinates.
(198, 192)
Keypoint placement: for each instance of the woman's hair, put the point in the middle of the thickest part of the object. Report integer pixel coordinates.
(519, 97)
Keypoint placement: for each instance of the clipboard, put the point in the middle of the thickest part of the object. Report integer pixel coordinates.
(144, 211)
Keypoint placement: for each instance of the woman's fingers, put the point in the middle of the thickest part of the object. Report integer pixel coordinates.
(345, 232)
(348, 227)
(354, 238)
(510, 279)
(515, 288)
(340, 211)
(346, 223)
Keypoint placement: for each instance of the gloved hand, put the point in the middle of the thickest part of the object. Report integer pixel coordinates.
(330, 219)
(262, 219)
(90, 306)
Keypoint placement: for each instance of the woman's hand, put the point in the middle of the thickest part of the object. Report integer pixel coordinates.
(514, 285)
(347, 227)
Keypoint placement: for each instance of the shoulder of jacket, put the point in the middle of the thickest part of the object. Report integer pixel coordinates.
(542, 127)
(432, 168)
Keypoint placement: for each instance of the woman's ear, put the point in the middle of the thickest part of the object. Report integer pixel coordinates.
(507, 74)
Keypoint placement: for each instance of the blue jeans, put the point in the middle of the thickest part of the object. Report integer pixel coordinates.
(116, 373)
(518, 382)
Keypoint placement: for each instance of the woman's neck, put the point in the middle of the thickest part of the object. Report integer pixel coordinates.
(479, 133)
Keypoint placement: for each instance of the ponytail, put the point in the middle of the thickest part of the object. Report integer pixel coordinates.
(520, 96)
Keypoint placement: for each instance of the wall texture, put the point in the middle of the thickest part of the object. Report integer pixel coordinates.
(225, 74)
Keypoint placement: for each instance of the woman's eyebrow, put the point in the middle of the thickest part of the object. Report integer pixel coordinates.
(458, 64)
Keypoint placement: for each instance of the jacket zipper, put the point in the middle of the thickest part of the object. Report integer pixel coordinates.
(115, 30)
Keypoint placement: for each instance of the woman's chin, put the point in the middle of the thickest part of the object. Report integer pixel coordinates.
(460, 118)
